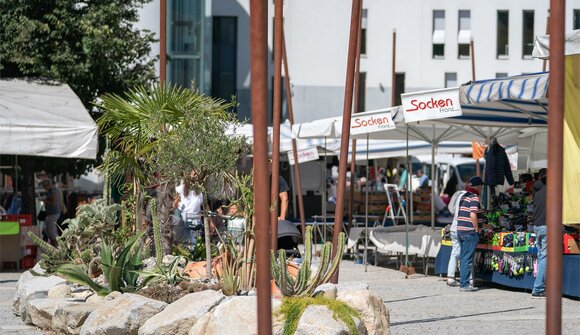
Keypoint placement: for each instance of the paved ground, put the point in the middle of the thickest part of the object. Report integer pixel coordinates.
(418, 305)
(426, 305)
(9, 323)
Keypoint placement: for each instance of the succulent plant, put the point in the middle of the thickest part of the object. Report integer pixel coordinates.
(306, 282)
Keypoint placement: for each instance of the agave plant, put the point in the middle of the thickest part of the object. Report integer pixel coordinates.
(119, 270)
(164, 273)
(305, 282)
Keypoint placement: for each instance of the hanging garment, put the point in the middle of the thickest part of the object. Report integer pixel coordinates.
(497, 166)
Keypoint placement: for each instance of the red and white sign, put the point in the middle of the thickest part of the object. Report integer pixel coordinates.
(371, 123)
(306, 155)
(430, 105)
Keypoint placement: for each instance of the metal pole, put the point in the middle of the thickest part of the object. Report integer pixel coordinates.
(409, 202)
(433, 194)
(276, 120)
(472, 47)
(555, 169)
(259, 96)
(355, 110)
(324, 196)
(367, 209)
(294, 146)
(393, 74)
(346, 114)
(162, 41)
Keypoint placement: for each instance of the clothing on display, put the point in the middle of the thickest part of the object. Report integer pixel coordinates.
(497, 166)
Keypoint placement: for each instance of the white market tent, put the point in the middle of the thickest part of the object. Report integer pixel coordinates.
(45, 119)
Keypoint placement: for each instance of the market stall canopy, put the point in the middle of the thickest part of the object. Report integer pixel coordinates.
(571, 45)
(39, 118)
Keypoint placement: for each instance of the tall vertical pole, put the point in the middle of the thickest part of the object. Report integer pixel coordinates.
(259, 96)
(162, 40)
(555, 169)
(276, 119)
(355, 110)
(393, 73)
(434, 144)
(294, 146)
(472, 52)
(344, 137)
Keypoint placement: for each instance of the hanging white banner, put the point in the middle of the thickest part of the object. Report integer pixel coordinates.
(430, 105)
(305, 155)
(366, 124)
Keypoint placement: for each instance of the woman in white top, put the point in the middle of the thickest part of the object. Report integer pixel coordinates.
(189, 204)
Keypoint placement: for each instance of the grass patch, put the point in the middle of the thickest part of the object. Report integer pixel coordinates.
(293, 307)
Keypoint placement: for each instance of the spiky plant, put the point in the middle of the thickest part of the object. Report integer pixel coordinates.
(305, 283)
(156, 233)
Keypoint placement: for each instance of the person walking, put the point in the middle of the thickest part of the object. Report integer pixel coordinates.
(456, 250)
(468, 231)
(52, 205)
(539, 221)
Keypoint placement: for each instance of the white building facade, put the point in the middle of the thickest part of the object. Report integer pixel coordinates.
(432, 47)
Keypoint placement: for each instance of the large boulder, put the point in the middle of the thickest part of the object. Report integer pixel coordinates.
(319, 320)
(373, 311)
(33, 288)
(68, 319)
(40, 312)
(234, 316)
(122, 315)
(59, 291)
(181, 315)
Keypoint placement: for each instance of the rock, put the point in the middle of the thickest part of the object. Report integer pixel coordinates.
(83, 294)
(180, 316)
(40, 312)
(95, 299)
(113, 295)
(167, 259)
(149, 264)
(59, 291)
(34, 288)
(327, 290)
(122, 315)
(234, 316)
(24, 277)
(68, 319)
(318, 320)
(373, 311)
(37, 270)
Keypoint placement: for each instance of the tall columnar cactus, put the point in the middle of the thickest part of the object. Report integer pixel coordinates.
(305, 283)
(156, 232)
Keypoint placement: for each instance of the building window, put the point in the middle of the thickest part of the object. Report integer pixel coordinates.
(438, 34)
(362, 89)
(501, 74)
(224, 57)
(502, 33)
(528, 34)
(184, 42)
(576, 19)
(399, 87)
(363, 32)
(464, 34)
(450, 79)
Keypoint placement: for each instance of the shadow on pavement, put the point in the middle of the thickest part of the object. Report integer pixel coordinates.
(456, 317)
(413, 298)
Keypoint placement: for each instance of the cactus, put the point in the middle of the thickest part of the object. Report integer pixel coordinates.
(305, 283)
(156, 233)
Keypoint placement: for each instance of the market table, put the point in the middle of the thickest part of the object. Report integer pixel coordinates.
(570, 273)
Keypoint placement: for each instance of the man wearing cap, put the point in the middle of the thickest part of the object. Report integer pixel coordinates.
(468, 230)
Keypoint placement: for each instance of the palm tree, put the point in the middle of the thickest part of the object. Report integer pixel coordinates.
(134, 123)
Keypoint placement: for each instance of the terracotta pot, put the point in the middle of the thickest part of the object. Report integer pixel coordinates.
(196, 270)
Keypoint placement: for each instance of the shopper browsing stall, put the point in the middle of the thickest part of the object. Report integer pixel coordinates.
(539, 221)
(468, 230)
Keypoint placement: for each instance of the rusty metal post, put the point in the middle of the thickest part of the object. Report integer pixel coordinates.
(296, 166)
(472, 51)
(355, 110)
(259, 96)
(162, 41)
(393, 73)
(555, 170)
(344, 138)
(276, 119)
